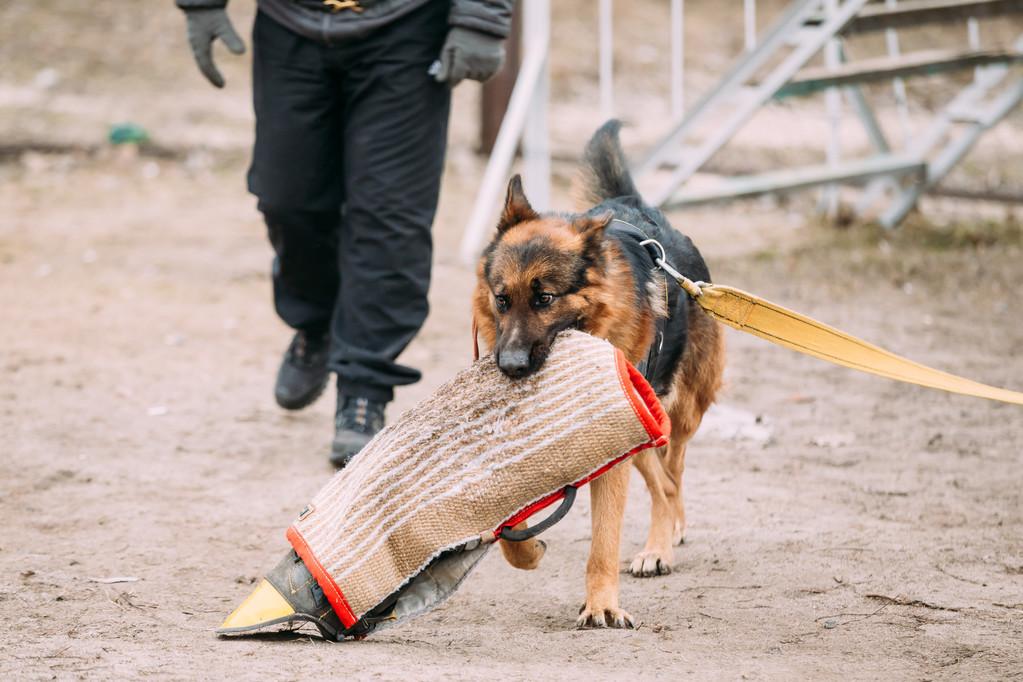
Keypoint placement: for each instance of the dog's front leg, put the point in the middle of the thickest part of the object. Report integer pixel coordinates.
(607, 495)
(525, 554)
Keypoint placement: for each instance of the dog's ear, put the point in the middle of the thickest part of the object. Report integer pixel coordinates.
(516, 206)
(593, 224)
(591, 228)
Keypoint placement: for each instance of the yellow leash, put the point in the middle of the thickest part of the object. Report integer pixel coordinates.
(788, 328)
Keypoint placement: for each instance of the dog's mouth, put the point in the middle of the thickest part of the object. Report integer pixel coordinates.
(519, 363)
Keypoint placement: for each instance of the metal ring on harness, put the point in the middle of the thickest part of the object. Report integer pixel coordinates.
(531, 532)
(660, 247)
(692, 288)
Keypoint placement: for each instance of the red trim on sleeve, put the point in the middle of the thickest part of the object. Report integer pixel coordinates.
(330, 588)
(644, 401)
(651, 415)
(617, 460)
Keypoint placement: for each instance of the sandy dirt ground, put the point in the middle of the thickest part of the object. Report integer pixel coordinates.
(841, 526)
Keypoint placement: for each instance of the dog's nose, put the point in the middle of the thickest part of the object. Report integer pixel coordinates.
(514, 363)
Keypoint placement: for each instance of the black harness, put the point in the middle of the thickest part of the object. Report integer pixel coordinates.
(635, 240)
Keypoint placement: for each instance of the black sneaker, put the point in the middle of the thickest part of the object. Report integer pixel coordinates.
(303, 374)
(357, 421)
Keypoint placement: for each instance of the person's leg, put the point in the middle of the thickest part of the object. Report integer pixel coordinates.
(394, 141)
(395, 135)
(305, 277)
(295, 173)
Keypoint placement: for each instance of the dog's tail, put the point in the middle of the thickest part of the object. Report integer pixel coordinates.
(605, 172)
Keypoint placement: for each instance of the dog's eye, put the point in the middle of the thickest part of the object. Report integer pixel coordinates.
(544, 300)
(501, 302)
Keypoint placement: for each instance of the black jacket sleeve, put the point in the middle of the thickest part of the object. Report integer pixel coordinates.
(488, 16)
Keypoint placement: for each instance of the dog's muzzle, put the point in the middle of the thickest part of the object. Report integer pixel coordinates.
(515, 363)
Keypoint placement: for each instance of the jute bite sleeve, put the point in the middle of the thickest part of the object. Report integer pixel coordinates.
(480, 454)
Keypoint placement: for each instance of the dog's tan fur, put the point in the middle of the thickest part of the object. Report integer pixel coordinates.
(608, 308)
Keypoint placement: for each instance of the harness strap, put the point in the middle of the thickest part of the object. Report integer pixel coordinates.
(653, 248)
(626, 230)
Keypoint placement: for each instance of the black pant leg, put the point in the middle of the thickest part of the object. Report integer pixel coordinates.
(305, 276)
(296, 170)
(395, 136)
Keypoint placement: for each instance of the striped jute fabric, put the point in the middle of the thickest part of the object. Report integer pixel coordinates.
(456, 466)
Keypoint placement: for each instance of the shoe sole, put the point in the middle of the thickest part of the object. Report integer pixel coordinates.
(307, 399)
(340, 460)
(341, 456)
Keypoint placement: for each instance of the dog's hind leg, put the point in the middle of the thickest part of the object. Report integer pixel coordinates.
(525, 554)
(607, 497)
(658, 555)
(696, 387)
(674, 465)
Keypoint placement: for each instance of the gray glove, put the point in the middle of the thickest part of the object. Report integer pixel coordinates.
(469, 54)
(205, 26)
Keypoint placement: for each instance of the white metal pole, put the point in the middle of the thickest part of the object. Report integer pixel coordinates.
(750, 23)
(891, 38)
(606, 58)
(833, 100)
(973, 35)
(495, 178)
(536, 148)
(678, 37)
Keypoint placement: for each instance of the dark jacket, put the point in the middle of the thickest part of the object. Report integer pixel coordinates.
(317, 21)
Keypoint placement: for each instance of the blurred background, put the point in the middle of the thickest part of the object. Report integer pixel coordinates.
(138, 347)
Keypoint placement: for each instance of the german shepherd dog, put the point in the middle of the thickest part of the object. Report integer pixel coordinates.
(544, 273)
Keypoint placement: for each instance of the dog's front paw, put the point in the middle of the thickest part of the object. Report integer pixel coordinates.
(650, 563)
(525, 554)
(604, 617)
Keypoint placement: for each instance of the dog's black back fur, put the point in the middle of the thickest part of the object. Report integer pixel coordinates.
(608, 184)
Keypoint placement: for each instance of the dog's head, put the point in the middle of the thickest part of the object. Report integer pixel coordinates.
(534, 279)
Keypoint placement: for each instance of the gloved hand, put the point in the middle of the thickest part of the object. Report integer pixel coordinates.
(469, 54)
(205, 26)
